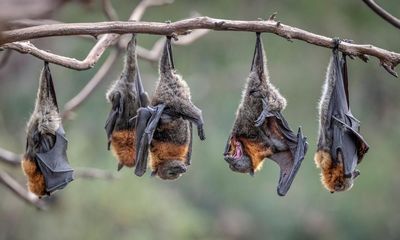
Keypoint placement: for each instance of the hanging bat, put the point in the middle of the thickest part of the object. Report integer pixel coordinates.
(340, 145)
(260, 130)
(165, 127)
(126, 96)
(45, 161)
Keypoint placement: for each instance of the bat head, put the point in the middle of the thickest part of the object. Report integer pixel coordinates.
(345, 183)
(332, 173)
(170, 170)
(237, 158)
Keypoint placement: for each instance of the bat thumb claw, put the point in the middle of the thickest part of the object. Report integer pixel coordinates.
(120, 166)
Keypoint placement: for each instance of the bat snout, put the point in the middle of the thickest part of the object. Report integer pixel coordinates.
(242, 164)
(171, 170)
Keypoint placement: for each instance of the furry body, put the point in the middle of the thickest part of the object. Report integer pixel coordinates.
(124, 95)
(41, 134)
(340, 146)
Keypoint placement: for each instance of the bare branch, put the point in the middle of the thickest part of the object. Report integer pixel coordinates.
(109, 10)
(390, 59)
(383, 13)
(28, 48)
(23, 23)
(154, 54)
(9, 157)
(95, 53)
(144, 4)
(93, 173)
(76, 101)
(20, 191)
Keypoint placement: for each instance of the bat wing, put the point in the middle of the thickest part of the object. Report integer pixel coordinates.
(348, 142)
(146, 123)
(54, 164)
(113, 116)
(290, 149)
(143, 96)
(345, 128)
(289, 160)
(189, 153)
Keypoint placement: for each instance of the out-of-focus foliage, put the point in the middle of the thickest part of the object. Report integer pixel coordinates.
(210, 201)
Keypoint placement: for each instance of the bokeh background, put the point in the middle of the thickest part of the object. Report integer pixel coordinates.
(210, 201)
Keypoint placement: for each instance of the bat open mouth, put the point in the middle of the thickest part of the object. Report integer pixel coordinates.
(238, 159)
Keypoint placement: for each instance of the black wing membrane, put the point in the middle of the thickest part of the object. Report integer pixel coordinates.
(54, 164)
(344, 127)
(289, 159)
(146, 123)
(189, 153)
(114, 116)
(51, 156)
(143, 96)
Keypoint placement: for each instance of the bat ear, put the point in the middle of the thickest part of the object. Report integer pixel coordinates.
(167, 62)
(258, 57)
(46, 92)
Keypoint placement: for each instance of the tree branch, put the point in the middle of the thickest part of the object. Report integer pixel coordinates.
(20, 191)
(95, 53)
(388, 59)
(76, 101)
(109, 10)
(383, 13)
(24, 23)
(10, 158)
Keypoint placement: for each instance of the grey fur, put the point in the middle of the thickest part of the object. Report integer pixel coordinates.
(173, 91)
(258, 86)
(45, 119)
(124, 88)
(45, 116)
(324, 141)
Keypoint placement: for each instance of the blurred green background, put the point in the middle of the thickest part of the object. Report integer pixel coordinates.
(210, 201)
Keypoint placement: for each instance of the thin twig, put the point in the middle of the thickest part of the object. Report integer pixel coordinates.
(109, 10)
(94, 173)
(9, 158)
(383, 13)
(387, 58)
(76, 101)
(144, 4)
(95, 53)
(20, 191)
(24, 23)
(154, 54)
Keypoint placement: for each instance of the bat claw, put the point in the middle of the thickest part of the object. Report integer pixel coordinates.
(120, 166)
(201, 133)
